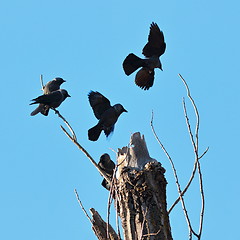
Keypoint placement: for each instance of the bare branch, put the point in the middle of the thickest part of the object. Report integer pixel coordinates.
(81, 205)
(203, 200)
(41, 81)
(196, 147)
(66, 122)
(203, 153)
(153, 234)
(176, 178)
(195, 143)
(73, 138)
(195, 109)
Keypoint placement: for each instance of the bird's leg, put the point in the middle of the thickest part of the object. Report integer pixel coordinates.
(55, 110)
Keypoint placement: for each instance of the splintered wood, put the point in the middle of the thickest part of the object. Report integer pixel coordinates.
(141, 189)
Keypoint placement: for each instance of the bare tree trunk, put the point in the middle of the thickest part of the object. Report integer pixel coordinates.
(141, 191)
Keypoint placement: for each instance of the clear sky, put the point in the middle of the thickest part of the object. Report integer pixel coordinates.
(85, 43)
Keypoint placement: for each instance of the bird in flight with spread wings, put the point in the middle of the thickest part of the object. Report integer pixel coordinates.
(105, 113)
(154, 48)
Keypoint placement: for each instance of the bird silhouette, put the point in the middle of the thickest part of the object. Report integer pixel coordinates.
(105, 113)
(154, 48)
(50, 86)
(106, 165)
(53, 85)
(51, 100)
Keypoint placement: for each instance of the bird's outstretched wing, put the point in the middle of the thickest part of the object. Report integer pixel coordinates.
(144, 78)
(99, 103)
(156, 45)
(48, 98)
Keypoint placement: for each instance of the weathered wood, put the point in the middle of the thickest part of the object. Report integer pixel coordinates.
(100, 227)
(141, 188)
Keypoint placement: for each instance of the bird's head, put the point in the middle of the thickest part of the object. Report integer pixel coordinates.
(105, 158)
(59, 80)
(65, 93)
(119, 108)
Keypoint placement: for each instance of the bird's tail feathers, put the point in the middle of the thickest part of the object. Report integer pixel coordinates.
(94, 133)
(132, 63)
(108, 130)
(105, 184)
(43, 109)
(37, 110)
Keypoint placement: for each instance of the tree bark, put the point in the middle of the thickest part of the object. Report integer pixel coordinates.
(141, 193)
(140, 196)
(100, 227)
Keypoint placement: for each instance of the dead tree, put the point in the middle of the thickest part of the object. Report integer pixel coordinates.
(141, 193)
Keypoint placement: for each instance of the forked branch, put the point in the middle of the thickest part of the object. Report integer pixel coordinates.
(196, 167)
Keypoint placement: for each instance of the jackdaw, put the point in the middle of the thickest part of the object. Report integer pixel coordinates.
(51, 86)
(107, 165)
(51, 100)
(105, 113)
(154, 48)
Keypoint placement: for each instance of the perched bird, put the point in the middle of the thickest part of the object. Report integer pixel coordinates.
(154, 48)
(51, 100)
(105, 113)
(107, 165)
(51, 86)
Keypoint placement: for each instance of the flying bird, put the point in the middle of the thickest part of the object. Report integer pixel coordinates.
(154, 48)
(51, 100)
(50, 86)
(105, 113)
(106, 165)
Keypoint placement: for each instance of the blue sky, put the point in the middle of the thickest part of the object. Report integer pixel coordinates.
(85, 43)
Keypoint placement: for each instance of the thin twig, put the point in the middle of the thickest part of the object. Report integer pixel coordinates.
(189, 182)
(196, 154)
(196, 147)
(195, 109)
(176, 178)
(203, 200)
(204, 153)
(66, 122)
(81, 205)
(86, 153)
(41, 81)
(74, 140)
(153, 234)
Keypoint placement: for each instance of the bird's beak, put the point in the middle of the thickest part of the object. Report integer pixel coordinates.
(64, 80)
(68, 95)
(124, 110)
(161, 68)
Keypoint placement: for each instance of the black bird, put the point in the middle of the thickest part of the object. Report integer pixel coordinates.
(51, 100)
(154, 48)
(105, 113)
(51, 86)
(107, 165)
